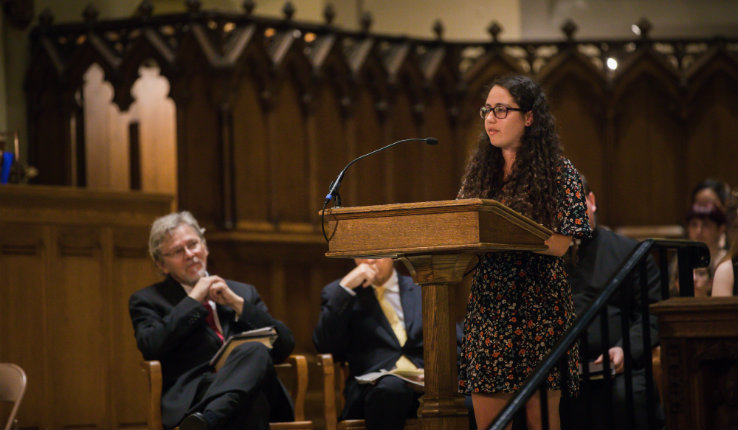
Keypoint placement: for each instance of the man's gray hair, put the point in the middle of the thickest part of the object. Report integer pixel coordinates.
(162, 226)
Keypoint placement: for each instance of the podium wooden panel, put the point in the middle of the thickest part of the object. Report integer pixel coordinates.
(436, 241)
(699, 361)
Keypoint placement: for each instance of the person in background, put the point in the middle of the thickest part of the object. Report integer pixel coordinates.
(591, 265)
(372, 319)
(711, 191)
(706, 223)
(726, 274)
(182, 322)
(725, 282)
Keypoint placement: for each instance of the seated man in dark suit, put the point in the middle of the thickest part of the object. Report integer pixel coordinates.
(182, 321)
(372, 319)
(592, 266)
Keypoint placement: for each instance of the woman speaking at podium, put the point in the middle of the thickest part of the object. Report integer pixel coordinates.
(520, 302)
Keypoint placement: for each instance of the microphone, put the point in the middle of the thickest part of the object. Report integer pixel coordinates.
(336, 184)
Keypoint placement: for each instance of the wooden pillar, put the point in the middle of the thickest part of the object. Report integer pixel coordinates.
(441, 406)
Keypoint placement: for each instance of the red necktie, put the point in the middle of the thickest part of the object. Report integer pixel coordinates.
(211, 320)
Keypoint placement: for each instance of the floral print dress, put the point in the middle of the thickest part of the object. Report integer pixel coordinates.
(520, 305)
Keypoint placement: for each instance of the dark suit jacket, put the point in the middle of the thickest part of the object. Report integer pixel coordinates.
(354, 329)
(170, 327)
(598, 260)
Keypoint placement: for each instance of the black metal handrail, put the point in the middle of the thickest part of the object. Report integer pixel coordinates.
(689, 255)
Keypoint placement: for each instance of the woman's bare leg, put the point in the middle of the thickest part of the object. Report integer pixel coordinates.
(533, 411)
(487, 406)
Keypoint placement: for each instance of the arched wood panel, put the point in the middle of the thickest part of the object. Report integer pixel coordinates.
(288, 158)
(404, 162)
(441, 173)
(199, 167)
(712, 132)
(155, 113)
(251, 158)
(578, 106)
(330, 147)
(366, 182)
(644, 167)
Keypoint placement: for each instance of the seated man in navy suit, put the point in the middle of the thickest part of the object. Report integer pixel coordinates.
(182, 322)
(372, 319)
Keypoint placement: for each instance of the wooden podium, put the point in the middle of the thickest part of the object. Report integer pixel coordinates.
(436, 241)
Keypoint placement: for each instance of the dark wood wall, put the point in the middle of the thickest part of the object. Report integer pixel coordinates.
(69, 261)
(268, 111)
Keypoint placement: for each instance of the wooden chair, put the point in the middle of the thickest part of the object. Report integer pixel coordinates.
(12, 387)
(333, 404)
(293, 373)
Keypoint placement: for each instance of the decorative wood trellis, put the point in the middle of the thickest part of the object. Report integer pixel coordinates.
(272, 108)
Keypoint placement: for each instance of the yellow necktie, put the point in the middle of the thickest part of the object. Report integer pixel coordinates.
(397, 326)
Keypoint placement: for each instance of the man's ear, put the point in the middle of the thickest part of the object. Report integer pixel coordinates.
(528, 118)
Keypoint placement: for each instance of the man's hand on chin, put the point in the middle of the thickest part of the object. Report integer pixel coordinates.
(222, 295)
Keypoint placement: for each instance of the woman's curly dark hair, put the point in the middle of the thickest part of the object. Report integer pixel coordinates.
(531, 187)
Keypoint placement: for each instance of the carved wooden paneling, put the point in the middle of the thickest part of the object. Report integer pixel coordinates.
(576, 93)
(24, 269)
(269, 110)
(710, 126)
(645, 166)
(132, 270)
(288, 158)
(69, 260)
(329, 147)
(699, 355)
(403, 164)
(579, 117)
(251, 176)
(442, 164)
(76, 318)
(198, 161)
(367, 181)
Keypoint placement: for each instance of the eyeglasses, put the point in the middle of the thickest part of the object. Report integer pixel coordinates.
(500, 111)
(193, 246)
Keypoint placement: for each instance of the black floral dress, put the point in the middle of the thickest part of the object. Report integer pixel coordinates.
(520, 305)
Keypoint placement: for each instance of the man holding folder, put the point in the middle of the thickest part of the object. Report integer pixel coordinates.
(182, 322)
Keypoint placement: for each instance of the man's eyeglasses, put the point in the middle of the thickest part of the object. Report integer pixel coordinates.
(193, 246)
(500, 111)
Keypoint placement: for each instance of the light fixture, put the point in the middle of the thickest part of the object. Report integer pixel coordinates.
(612, 63)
